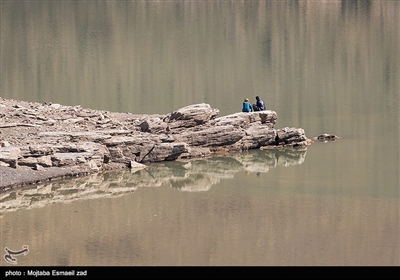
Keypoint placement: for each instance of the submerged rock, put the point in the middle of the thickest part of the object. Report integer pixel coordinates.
(326, 137)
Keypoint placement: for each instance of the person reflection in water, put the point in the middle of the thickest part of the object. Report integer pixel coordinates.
(247, 106)
(260, 105)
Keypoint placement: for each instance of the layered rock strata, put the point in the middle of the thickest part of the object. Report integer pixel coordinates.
(37, 139)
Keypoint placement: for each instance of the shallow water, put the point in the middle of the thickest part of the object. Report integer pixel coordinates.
(328, 67)
(257, 208)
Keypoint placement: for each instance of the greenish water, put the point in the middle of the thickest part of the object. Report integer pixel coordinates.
(327, 67)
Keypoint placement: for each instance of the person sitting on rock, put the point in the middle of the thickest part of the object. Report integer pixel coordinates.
(247, 106)
(260, 105)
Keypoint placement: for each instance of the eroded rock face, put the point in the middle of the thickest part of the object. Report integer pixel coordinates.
(38, 136)
(292, 137)
(191, 116)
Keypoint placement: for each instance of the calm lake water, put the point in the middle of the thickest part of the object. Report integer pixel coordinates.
(325, 66)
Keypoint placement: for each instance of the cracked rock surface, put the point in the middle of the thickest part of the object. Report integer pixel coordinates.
(48, 141)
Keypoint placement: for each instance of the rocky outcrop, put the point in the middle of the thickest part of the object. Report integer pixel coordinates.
(39, 136)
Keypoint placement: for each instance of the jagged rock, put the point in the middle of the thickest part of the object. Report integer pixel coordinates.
(191, 116)
(117, 155)
(121, 140)
(154, 125)
(66, 159)
(196, 152)
(51, 135)
(212, 136)
(9, 155)
(257, 137)
(165, 152)
(267, 118)
(291, 137)
(40, 150)
(44, 161)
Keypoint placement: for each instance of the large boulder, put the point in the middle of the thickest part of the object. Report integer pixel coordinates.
(191, 116)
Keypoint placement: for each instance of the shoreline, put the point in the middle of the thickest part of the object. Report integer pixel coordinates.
(44, 142)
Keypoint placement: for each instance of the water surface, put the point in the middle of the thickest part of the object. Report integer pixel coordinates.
(325, 66)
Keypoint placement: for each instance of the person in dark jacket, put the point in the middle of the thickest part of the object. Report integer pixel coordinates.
(247, 106)
(260, 105)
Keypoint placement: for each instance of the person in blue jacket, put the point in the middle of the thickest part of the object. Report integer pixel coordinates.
(260, 105)
(247, 106)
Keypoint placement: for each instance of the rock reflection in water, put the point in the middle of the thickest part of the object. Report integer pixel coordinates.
(193, 176)
(200, 175)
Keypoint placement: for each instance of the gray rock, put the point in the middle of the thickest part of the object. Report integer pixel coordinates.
(9, 156)
(191, 116)
(165, 152)
(44, 161)
(258, 136)
(90, 141)
(291, 137)
(212, 136)
(153, 125)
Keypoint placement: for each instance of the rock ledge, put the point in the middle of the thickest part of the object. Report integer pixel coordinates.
(45, 141)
